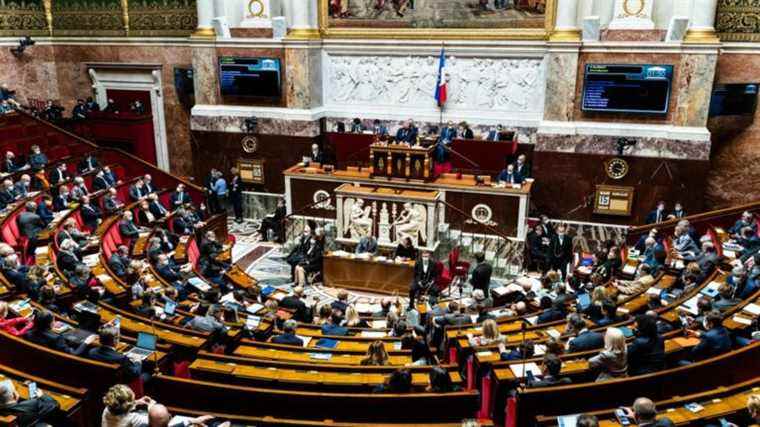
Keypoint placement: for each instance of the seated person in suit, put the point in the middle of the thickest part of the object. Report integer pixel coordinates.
(23, 186)
(341, 304)
(298, 253)
(522, 167)
(107, 352)
(524, 350)
(119, 262)
(539, 246)
(311, 263)
(180, 223)
(37, 159)
(12, 164)
(137, 190)
(71, 231)
(407, 133)
(317, 155)
(43, 335)
(273, 222)
(725, 299)
(296, 302)
(627, 288)
(288, 335)
(7, 196)
(100, 182)
(646, 353)
(366, 245)
(212, 321)
(91, 214)
(59, 174)
(127, 226)
(405, 250)
(494, 133)
(683, 244)
(715, 340)
(377, 355)
(746, 220)
(157, 208)
(68, 256)
(179, 197)
(79, 189)
(465, 132)
(88, 164)
(172, 273)
(356, 126)
(481, 274)
(556, 310)
(551, 369)
(110, 176)
(742, 285)
(749, 241)
(644, 413)
(509, 176)
(584, 339)
(111, 202)
(35, 411)
(30, 224)
(332, 326)
(63, 199)
(148, 186)
(448, 133)
(18, 275)
(658, 215)
(144, 216)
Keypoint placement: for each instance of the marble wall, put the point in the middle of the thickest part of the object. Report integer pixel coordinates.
(734, 177)
(561, 75)
(32, 76)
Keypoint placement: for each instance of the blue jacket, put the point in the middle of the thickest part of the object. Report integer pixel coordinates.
(330, 329)
(587, 340)
(289, 339)
(712, 343)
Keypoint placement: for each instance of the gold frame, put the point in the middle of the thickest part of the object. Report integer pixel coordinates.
(439, 33)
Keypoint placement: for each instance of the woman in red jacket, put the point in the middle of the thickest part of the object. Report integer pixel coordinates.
(16, 326)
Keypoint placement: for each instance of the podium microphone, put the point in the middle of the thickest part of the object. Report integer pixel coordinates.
(523, 353)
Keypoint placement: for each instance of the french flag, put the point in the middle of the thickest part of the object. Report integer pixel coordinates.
(440, 87)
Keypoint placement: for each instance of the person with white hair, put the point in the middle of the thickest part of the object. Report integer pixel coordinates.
(11, 164)
(612, 362)
(747, 220)
(79, 190)
(22, 187)
(29, 412)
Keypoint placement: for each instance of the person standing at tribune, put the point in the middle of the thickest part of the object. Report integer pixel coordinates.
(236, 194)
(561, 250)
(221, 192)
(481, 275)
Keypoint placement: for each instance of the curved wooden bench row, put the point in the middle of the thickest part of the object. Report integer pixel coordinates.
(345, 407)
(718, 403)
(725, 370)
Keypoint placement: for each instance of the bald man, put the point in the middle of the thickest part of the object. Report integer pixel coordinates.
(159, 416)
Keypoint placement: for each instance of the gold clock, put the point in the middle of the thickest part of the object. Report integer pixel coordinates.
(249, 144)
(616, 168)
(256, 8)
(633, 7)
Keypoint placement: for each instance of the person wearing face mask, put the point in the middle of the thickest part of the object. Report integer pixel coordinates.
(311, 263)
(37, 159)
(509, 176)
(62, 200)
(658, 215)
(713, 341)
(678, 211)
(298, 253)
(646, 353)
(561, 250)
(425, 276)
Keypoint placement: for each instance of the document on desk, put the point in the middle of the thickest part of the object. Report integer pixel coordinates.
(752, 309)
(690, 306)
(320, 356)
(306, 340)
(630, 268)
(517, 369)
(373, 334)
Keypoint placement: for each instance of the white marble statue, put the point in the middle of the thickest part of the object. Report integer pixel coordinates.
(412, 223)
(359, 218)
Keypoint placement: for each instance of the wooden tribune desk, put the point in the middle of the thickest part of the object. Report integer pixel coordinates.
(367, 274)
(401, 161)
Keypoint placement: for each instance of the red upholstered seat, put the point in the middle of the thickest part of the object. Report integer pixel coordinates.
(456, 267)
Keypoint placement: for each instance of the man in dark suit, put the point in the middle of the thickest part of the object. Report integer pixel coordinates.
(341, 304)
(448, 133)
(236, 194)
(68, 256)
(62, 200)
(712, 342)
(481, 275)
(23, 186)
(44, 209)
(156, 207)
(366, 245)
(110, 176)
(379, 129)
(317, 155)
(425, 276)
(539, 246)
(111, 202)
(494, 134)
(137, 190)
(561, 250)
(273, 221)
(18, 275)
(59, 174)
(127, 226)
(30, 224)
(148, 186)
(179, 197)
(89, 163)
(465, 132)
(91, 214)
(509, 176)
(646, 354)
(332, 326)
(522, 167)
(678, 211)
(106, 352)
(43, 335)
(7, 196)
(658, 215)
(296, 303)
(288, 335)
(119, 262)
(406, 134)
(37, 410)
(100, 182)
(584, 339)
(37, 159)
(11, 165)
(551, 368)
(180, 225)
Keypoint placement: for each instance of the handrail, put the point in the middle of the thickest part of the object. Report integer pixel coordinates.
(463, 157)
(696, 217)
(133, 157)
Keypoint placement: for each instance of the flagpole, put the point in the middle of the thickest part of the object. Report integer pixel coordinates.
(440, 105)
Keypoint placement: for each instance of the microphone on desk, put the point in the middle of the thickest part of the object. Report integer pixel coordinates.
(523, 353)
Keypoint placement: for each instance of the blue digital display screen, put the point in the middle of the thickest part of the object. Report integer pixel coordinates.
(627, 88)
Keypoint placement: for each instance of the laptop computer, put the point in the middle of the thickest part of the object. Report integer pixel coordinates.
(584, 300)
(146, 345)
(170, 307)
